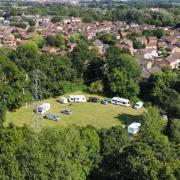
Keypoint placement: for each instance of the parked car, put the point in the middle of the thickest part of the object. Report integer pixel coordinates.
(105, 101)
(138, 105)
(66, 111)
(52, 116)
(93, 99)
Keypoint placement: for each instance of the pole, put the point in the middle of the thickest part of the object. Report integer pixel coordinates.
(36, 97)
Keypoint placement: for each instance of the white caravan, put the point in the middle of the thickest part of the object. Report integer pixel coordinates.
(77, 98)
(43, 108)
(134, 128)
(120, 101)
(63, 100)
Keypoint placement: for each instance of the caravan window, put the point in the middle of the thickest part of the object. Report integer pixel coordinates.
(77, 98)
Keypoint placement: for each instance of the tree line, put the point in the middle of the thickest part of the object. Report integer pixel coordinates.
(88, 153)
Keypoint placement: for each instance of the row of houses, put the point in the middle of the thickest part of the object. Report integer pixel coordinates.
(151, 57)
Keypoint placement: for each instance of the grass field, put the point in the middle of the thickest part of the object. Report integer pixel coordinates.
(95, 114)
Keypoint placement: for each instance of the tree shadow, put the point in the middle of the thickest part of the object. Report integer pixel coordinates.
(128, 119)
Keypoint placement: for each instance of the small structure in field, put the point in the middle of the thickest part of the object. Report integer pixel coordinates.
(134, 128)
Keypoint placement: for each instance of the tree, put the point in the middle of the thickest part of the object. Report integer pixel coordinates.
(122, 73)
(158, 33)
(56, 19)
(120, 84)
(2, 114)
(152, 126)
(113, 142)
(137, 45)
(96, 87)
(108, 39)
(137, 162)
(31, 22)
(173, 130)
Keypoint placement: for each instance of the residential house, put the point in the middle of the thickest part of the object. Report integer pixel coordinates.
(173, 49)
(150, 53)
(152, 39)
(171, 40)
(174, 60)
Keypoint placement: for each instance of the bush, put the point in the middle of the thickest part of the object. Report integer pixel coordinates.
(96, 87)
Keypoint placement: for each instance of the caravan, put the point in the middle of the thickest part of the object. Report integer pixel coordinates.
(77, 98)
(63, 100)
(43, 108)
(120, 101)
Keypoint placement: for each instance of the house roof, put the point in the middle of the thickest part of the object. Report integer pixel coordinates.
(174, 57)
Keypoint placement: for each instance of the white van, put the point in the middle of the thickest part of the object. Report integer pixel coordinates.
(120, 101)
(77, 98)
(43, 108)
(63, 100)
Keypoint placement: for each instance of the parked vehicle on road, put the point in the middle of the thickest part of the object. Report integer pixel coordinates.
(66, 111)
(52, 117)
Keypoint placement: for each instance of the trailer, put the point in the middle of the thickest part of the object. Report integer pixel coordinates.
(77, 98)
(43, 108)
(134, 128)
(120, 101)
(63, 100)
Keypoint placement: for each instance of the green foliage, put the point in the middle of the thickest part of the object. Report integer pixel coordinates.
(152, 126)
(158, 33)
(123, 73)
(21, 25)
(108, 39)
(162, 90)
(96, 87)
(31, 22)
(52, 153)
(173, 130)
(137, 45)
(2, 114)
(122, 85)
(56, 19)
(56, 41)
(12, 82)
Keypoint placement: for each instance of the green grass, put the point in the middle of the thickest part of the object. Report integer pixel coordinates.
(83, 114)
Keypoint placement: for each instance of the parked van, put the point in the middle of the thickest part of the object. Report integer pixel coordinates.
(63, 100)
(77, 98)
(43, 108)
(120, 101)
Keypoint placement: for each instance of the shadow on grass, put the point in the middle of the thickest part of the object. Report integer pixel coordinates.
(128, 119)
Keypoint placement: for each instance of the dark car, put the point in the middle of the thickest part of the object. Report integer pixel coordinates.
(52, 117)
(66, 111)
(105, 101)
(93, 99)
